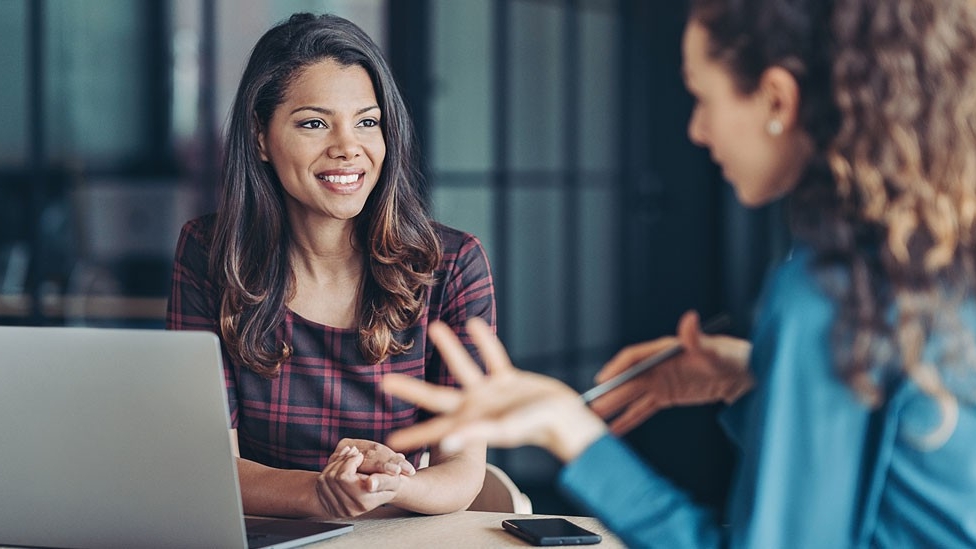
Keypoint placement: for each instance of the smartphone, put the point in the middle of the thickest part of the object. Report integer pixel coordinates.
(550, 531)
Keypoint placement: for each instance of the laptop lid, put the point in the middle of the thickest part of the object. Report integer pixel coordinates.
(119, 438)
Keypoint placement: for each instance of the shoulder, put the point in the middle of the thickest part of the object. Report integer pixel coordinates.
(455, 240)
(464, 268)
(459, 247)
(195, 239)
(795, 318)
(199, 229)
(795, 291)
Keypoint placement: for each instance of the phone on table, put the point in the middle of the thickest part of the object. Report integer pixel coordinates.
(550, 531)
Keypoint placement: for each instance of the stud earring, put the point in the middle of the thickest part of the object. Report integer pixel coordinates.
(774, 128)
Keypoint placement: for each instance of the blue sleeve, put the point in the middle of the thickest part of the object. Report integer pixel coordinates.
(643, 508)
(801, 429)
(800, 432)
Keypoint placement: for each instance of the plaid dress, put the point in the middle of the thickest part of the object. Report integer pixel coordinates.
(327, 390)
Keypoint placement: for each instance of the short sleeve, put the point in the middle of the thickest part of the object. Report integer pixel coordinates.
(193, 301)
(466, 291)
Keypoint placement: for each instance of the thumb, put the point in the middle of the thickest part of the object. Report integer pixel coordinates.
(689, 331)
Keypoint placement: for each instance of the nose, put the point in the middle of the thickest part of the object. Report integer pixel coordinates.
(343, 144)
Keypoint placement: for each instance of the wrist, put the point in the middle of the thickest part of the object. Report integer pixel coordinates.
(574, 431)
(740, 386)
(311, 500)
(733, 356)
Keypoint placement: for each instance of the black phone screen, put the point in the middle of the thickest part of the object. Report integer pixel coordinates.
(550, 531)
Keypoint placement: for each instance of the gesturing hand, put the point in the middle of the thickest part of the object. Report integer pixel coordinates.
(711, 369)
(506, 408)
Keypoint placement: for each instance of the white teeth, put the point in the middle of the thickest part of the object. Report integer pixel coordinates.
(341, 179)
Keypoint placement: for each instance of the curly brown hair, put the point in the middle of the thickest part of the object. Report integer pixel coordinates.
(904, 160)
(888, 94)
(249, 250)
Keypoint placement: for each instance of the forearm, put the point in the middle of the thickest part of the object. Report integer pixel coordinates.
(646, 510)
(450, 483)
(278, 492)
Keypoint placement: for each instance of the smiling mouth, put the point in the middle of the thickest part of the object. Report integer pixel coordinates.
(340, 179)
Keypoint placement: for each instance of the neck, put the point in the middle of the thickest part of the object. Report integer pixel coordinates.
(325, 252)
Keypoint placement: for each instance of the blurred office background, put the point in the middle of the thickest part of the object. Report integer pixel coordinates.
(552, 129)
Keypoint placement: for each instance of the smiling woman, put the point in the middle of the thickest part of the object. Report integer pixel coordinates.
(320, 272)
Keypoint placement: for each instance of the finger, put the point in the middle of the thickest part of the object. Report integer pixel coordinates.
(336, 485)
(404, 467)
(689, 331)
(455, 441)
(338, 453)
(379, 458)
(379, 482)
(395, 465)
(421, 434)
(628, 356)
(455, 355)
(504, 433)
(634, 415)
(436, 398)
(348, 464)
(612, 402)
(491, 348)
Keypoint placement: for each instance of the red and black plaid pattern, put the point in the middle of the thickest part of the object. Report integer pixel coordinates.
(327, 390)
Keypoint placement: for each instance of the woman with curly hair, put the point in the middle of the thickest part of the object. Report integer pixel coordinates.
(320, 272)
(854, 404)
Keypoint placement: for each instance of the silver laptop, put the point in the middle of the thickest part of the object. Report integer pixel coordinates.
(120, 438)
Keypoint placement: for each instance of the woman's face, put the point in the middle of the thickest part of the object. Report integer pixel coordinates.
(761, 165)
(325, 142)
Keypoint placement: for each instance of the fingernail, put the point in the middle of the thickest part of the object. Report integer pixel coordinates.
(373, 484)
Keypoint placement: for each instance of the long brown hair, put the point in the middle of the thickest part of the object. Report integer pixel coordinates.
(888, 94)
(249, 252)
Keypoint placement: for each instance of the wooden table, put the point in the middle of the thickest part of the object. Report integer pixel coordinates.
(467, 529)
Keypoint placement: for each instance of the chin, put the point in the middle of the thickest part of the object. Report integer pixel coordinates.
(752, 200)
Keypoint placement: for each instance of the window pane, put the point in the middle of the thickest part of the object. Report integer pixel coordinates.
(468, 209)
(96, 81)
(599, 92)
(598, 267)
(536, 274)
(536, 88)
(461, 105)
(13, 93)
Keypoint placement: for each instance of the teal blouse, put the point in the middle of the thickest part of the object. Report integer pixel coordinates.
(804, 439)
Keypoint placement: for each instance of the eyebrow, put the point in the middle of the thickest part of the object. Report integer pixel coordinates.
(330, 112)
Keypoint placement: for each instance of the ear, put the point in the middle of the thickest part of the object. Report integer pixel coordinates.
(261, 148)
(261, 131)
(782, 93)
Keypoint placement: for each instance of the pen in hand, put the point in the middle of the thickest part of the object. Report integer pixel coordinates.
(713, 325)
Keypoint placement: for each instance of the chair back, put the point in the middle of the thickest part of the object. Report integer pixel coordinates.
(499, 494)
